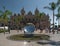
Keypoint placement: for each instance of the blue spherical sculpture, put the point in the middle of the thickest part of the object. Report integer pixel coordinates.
(29, 28)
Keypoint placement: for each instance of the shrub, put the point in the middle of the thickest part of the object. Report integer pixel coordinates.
(1, 30)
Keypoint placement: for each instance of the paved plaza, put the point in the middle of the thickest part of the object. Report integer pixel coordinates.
(55, 39)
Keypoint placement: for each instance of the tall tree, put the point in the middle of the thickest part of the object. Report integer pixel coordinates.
(58, 15)
(5, 15)
(52, 7)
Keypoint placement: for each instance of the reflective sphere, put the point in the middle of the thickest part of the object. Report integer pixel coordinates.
(29, 28)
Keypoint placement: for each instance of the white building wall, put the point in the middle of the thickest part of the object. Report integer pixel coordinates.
(59, 21)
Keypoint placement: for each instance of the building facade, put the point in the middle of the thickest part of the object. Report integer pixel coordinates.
(40, 20)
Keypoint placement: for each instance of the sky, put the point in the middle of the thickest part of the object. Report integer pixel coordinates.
(29, 5)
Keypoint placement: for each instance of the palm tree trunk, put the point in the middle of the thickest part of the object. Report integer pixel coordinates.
(53, 22)
(4, 29)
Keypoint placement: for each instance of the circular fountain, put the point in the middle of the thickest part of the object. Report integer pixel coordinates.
(29, 34)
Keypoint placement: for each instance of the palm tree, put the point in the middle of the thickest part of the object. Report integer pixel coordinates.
(58, 16)
(5, 15)
(52, 7)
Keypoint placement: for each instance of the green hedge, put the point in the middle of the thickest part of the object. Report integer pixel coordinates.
(1, 30)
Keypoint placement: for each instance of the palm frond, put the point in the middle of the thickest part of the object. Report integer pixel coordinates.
(8, 12)
(58, 16)
(48, 8)
(59, 10)
(52, 3)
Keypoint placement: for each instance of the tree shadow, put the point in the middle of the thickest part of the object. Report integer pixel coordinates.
(49, 42)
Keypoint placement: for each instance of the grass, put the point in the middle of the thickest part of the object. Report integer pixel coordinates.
(35, 37)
